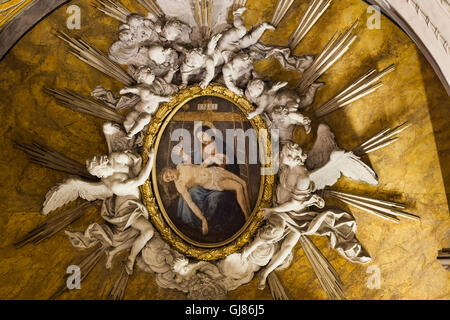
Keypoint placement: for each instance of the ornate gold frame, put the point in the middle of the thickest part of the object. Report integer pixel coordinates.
(150, 192)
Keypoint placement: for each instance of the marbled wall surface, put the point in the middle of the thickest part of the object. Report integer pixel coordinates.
(414, 170)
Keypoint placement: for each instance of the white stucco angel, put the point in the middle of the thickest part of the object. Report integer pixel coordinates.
(198, 66)
(176, 32)
(152, 91)
(294, 197)
(267, 97)
(238, 72)
(237, 37)
(120, 174)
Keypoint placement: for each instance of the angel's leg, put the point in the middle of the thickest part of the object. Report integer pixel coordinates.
(307, 99)
(251, 247)
(277, 260)
(143, 120)
(253, 36)
(110, 254)
(146, 233)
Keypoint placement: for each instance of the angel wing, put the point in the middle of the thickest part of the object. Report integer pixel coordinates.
(324, 145)
(346, 163)
(72, 188)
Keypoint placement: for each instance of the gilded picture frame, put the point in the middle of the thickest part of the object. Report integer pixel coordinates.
(151, 196)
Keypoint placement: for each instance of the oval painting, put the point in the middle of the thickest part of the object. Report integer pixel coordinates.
(207, 173)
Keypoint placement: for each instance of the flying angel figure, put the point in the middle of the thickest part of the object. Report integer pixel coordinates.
(121, 173)
(301, 174)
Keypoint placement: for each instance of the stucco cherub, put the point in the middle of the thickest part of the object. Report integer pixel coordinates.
(267, 97)
(164, 61)
(121, 174)
(152, 91)
(237, 37)
(197, 64)
(294, 197)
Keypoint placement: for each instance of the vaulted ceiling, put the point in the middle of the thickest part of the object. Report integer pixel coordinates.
(414, 170)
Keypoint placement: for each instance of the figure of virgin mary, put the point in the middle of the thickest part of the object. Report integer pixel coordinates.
(221, 209)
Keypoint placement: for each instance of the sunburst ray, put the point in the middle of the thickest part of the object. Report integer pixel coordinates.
(361, 87)
(334, 49)
(315, 10)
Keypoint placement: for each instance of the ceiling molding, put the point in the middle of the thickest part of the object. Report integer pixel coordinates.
(427, 23)
(20, 17)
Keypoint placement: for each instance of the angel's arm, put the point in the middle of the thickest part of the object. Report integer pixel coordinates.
(277, 86)
(185, 74)
(238, 22)
(298, 118)
(142, 176)
(212, 45)
(169, 76)
(136, 165)
(134, 90)
(109, 130)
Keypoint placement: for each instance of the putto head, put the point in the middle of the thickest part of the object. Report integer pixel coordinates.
(255, 88)
(158, 54)
(145, 75)
(99, 166)
(292, 154)
(194, 58)
(176, 30)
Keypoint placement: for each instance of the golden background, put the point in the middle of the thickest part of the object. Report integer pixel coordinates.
(413, 170)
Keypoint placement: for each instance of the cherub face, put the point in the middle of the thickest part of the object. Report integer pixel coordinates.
(171, 32)
(144, 34)
(125, 35)
(255, 88)
(146, 76)
(100, 166)
(293, 155)
(135, 20)
(158, 54)
(242, 62)
(194, 59)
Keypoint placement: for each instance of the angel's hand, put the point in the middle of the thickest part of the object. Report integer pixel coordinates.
(203, 84)
(317, 201)
(267, 213)
(251, 115)
(216, 38)
(239, 11)
(268, 26)
(124, 91)
(277, 86)
(238, 91)
(109, 128)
